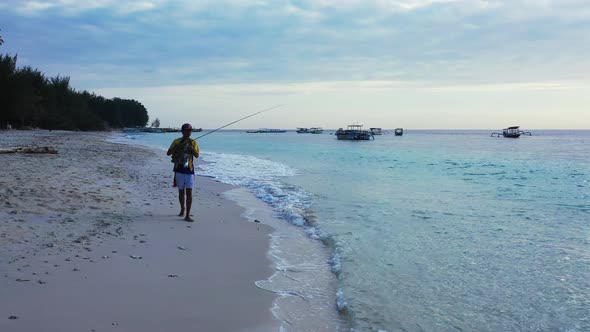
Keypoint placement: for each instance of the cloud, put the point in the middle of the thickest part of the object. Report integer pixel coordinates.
(164, 42)
(344, 87)
(510, 9)
(75, 7)
(34, 7)
(387, 104)
(329, 58)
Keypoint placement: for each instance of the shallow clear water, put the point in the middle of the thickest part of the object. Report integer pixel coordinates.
(434, 230)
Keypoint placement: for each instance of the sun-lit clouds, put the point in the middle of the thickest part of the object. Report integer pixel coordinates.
(510, 9)
(522, 10)
(75, 7)
(184, 42)
(251, 50)
(34, 7)
(345, 87)
(386, 104)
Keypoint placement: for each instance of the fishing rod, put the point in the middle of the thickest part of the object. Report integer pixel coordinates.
(231, 123)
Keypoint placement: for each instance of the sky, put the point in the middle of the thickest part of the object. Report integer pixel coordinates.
(430, 64)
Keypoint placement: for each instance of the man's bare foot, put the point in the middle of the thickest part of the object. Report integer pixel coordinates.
(189, 219)
(181, 213)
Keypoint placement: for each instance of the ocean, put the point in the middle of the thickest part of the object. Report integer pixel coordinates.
(431, 231)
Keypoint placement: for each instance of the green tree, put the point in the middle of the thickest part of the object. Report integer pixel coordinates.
(29, 99)
(7, 88)
(156, 123)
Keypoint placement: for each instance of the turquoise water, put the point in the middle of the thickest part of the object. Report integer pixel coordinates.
(434, 230)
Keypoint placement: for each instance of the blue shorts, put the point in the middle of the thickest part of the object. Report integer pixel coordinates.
(185, 181)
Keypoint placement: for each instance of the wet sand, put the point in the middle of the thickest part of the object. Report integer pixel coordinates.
(90, 241)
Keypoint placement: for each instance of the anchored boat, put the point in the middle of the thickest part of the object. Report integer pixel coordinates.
(399, 131)
(316, 130)
(131, 130)
(376, 131)
(266, 131)
(512, 132)
(153, 130)
(354, 133)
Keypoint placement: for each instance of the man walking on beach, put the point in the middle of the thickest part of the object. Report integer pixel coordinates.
(183, 150)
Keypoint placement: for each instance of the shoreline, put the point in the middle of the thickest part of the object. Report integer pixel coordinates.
(71, 243)
(304, 278)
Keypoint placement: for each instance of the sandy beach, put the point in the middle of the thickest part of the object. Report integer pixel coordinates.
(90, 241)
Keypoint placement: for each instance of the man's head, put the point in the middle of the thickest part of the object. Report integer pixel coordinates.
(187, 129)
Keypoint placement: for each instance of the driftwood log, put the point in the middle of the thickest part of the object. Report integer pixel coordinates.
(30, 149)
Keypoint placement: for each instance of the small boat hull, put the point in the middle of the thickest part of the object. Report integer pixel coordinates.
(354, 138)
(511, 135)
(376, 131)
(348, 135)
(316, 130)
(266, 131)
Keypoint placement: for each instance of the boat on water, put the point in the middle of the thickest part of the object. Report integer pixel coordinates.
(376, 131)
(266, 131)
(131, 130)
(179, 130)
(399, 131)
(153, 130)
(316, 130)
(354, 132)
(156, 130)
(512, 132)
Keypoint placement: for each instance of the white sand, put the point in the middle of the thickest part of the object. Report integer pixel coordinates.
(69, 224)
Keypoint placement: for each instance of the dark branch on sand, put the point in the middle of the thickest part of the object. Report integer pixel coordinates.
(36, 149)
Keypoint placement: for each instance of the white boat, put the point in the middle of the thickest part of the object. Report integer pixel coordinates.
(266, 131)
(354, 133)
(316, 130)
(376, 131)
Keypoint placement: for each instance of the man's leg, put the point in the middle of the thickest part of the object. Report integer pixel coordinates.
(190, 182)
(189, 203)
(181, 200)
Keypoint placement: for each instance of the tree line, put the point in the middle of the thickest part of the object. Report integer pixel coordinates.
(30, 99)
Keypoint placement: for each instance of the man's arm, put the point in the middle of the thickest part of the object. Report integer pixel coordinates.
(195, 149)
(172, 149)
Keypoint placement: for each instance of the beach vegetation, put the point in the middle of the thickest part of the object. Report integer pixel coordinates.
(156, 123)
(30, 99)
